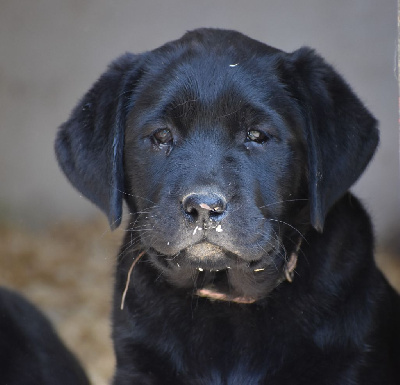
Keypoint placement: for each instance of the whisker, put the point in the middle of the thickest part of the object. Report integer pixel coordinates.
(259, 246)
(128, 247)
(287, 224)
(284, 201)
(135, 196)
(281, 245)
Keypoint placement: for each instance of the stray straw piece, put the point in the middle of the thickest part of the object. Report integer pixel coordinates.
(128, 279)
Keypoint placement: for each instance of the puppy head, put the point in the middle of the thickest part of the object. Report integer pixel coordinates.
(222, 147)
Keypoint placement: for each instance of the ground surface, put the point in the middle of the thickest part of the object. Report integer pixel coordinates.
(67, 271)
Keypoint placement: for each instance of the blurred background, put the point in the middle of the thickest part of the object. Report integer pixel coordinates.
(55, 246)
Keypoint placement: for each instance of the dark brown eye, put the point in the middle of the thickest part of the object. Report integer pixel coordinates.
(257, 136)
(163, 136)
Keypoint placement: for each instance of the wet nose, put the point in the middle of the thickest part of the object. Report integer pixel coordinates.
(202, 207)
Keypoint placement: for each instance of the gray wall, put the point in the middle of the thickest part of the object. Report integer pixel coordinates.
(51, 51)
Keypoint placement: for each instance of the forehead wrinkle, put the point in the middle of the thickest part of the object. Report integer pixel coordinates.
(199, 91)
(204, 90)
(159, 99)
(184, 97)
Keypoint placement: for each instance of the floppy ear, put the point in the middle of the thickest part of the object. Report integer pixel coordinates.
(341, 134)
(89, 145)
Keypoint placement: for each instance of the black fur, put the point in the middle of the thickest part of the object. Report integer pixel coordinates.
(31, 352)
(234, 158)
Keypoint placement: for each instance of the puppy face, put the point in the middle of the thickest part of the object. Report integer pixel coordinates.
(215, 170)
(226, 151)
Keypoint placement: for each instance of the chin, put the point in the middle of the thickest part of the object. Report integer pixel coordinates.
(208, 270)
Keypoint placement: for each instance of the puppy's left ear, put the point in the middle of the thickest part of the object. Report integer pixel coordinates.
(89, 145)
(340, 133)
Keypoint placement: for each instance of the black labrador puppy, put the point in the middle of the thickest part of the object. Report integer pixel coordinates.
(31, 352)
(246, 260)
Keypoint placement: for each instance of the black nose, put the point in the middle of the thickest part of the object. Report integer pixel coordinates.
(204, 206)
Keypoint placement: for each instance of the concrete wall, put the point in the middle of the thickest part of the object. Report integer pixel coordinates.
(51, 51)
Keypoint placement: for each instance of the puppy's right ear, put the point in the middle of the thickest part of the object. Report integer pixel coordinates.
(89, 145)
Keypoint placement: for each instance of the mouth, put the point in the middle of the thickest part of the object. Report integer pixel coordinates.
(205, 256)
(244, 286)
(211, 272)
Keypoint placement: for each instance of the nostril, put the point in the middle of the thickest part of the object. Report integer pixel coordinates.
(191, 211)
(204, 206)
